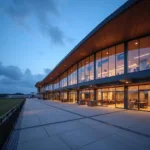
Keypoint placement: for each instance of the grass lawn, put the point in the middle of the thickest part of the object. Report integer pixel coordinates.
(7, 104)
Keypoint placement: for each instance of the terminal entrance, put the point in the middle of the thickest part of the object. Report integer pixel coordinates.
(72, 96)
(108, 99)
(111, 97)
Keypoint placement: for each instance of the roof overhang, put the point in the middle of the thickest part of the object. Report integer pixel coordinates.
(130, 21)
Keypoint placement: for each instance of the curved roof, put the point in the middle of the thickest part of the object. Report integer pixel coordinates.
(129, 21)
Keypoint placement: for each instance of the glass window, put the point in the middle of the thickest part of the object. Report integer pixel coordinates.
(86, 69)
(120, 59)
(112, 66)
(98, 65)
(87, 95)
(63, 80)
(144, 53)
(83, 71)
(91, 67)
(120, 97)
(86, 66)
(133, 56)
(79, 71)
(104, 63)
(133, 97)
(72, 75)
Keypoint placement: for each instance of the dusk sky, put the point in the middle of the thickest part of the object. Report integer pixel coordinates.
(37, 34)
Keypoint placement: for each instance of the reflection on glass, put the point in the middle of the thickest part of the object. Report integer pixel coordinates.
(133, 97)
(133, 56)
(72, 96)
(72, 75)
(120, 59)
(86, 69)
(104, 63)
(108, 98)
(112, 70)
(86, 95)
(99, 96)
(120, 97)
(98, 65)
(56, 84)
(63, 80)
(144, 53)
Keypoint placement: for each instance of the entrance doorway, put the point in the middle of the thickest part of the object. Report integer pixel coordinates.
(111, 97)
(144, 100)
(73, 97)
(108, 99)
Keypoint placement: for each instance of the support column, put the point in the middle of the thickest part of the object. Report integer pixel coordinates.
(77, 73)
(94, 66)
(95, 94)
(77, 96)
(126, 97)
(59, 96)
(68, 96)
(125, 58)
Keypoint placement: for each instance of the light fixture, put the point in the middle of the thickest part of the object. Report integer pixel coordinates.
(127, 82)
(107, 53)
(136, 43)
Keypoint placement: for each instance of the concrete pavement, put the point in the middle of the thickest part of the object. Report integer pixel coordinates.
(56, 125)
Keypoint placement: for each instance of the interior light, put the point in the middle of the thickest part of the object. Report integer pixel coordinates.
(142, 55)
(136, 43)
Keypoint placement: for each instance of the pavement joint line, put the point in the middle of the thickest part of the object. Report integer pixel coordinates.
(123, 128)
(83, 115)
(90, 117)
(46, 124)
(64, 110)
(65, 142)
(102, 138)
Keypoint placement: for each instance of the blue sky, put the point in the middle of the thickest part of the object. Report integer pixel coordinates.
(37, 34)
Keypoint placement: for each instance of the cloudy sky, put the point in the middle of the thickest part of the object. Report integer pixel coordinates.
(37, 34)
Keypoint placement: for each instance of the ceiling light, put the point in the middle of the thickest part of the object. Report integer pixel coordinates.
(136, 43)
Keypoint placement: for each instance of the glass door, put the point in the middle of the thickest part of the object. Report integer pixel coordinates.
(72, 97)
(133, 97)
(144, 100)
(105, 98)
(111, 99)
(99, 96)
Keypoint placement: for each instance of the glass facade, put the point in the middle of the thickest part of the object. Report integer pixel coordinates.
(86, 95)
(63, 96)
(72, 75)
(110, 62)
(133, 97)
(73, 96)
(56, 84)
(63, 80)
(112, 97)
(86, 69)
(139, 97)
(139, 55)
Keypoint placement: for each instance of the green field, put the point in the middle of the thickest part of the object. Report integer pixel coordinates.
(7, 104)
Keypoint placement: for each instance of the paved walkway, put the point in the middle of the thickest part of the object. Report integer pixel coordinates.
(61, 126)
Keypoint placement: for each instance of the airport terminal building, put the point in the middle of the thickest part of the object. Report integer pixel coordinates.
(110, 66)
